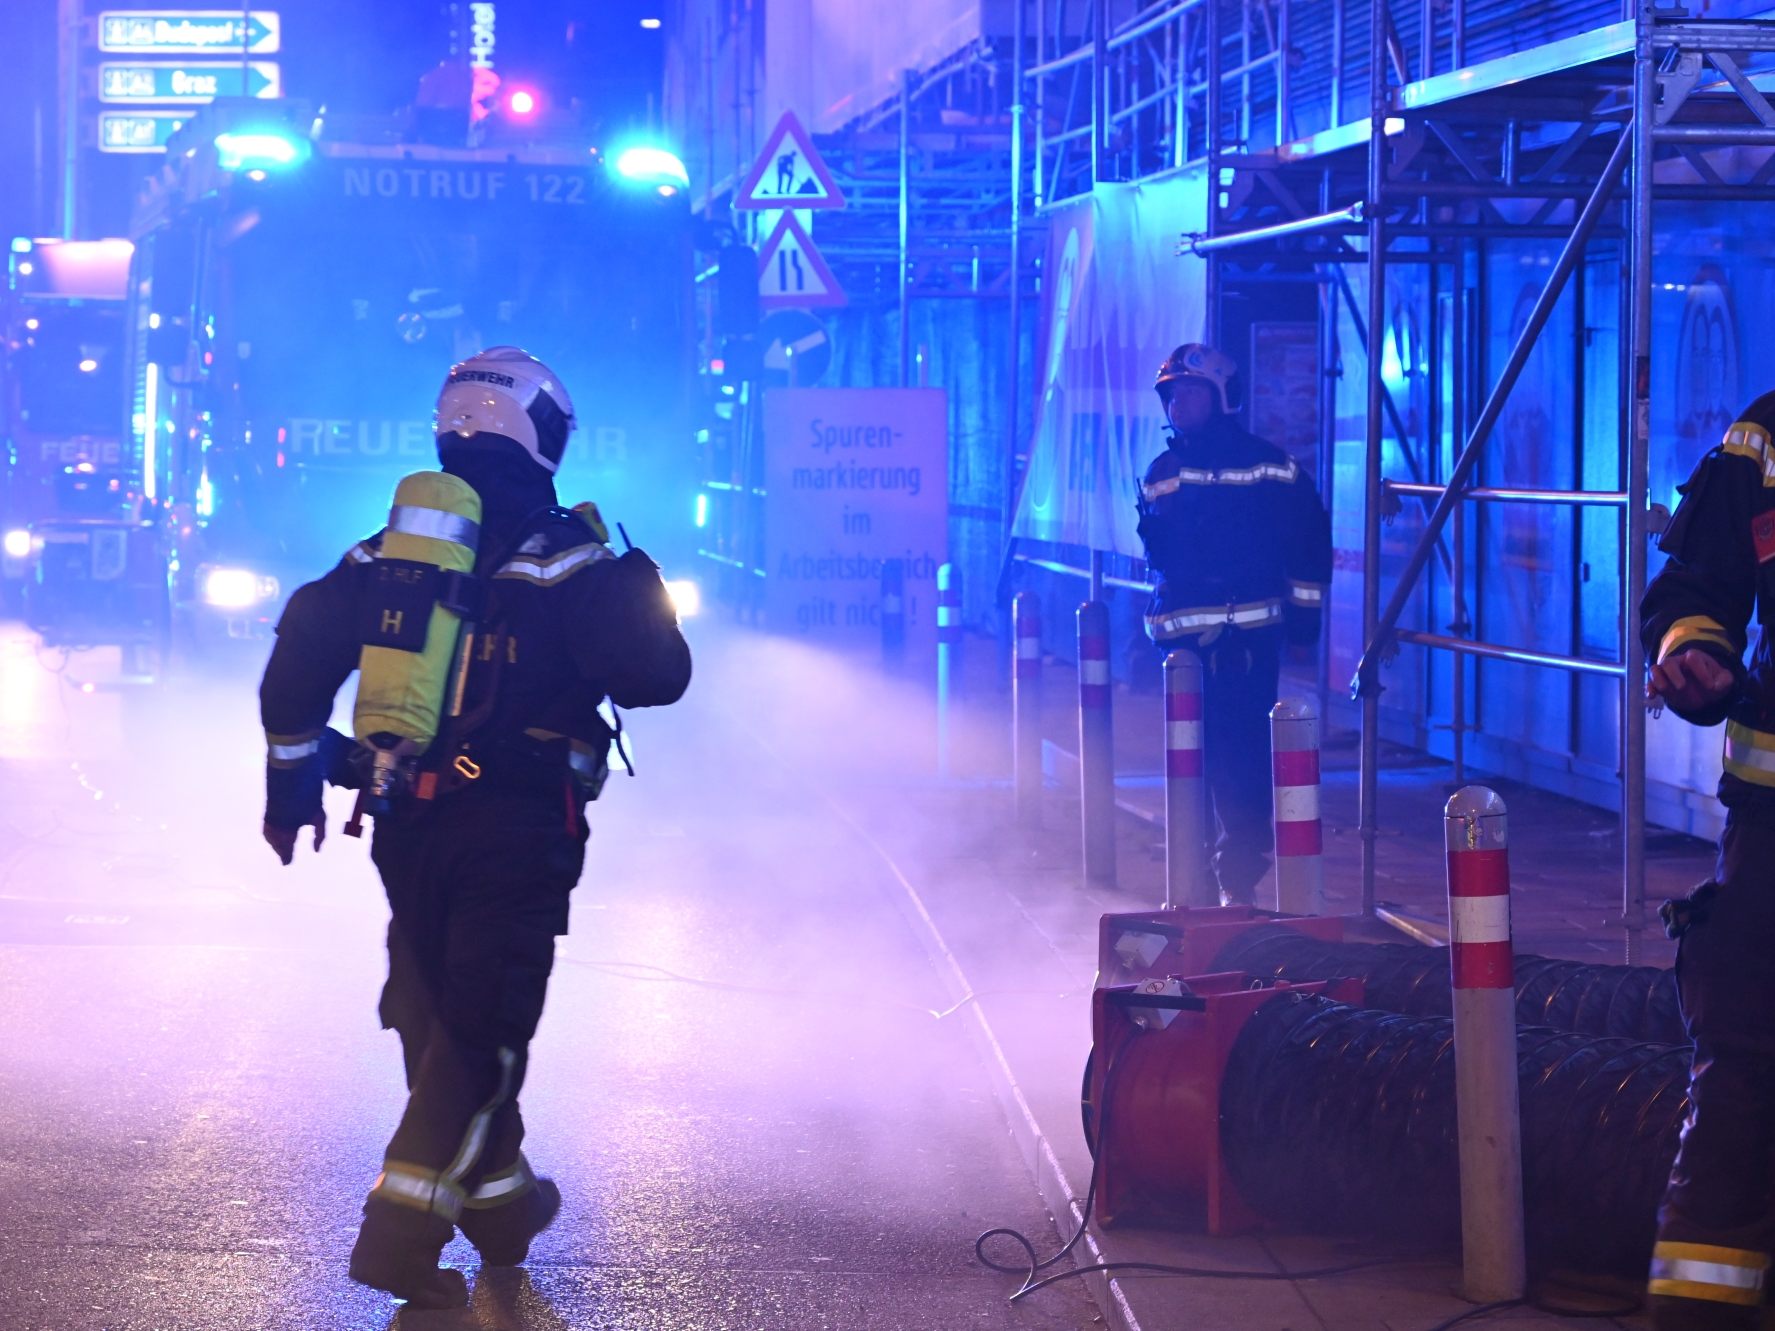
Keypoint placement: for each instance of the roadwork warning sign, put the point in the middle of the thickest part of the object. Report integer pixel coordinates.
(789, 173)
(791, 271)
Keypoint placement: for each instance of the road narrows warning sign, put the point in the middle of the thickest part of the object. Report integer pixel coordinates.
(791, 271)
(789, 173)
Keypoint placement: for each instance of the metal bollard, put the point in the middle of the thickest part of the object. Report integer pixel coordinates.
(948, 657)
(1097, 763)
(1300, 840)
(1187, 880)
(893, 613)
(1488, 1110)
(1026, 707)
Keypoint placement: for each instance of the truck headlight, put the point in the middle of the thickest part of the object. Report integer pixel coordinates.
(686, 599)
(236, 588)
(18, 544)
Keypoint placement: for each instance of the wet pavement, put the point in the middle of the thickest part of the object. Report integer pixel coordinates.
(819, 1022)
(742, 1083)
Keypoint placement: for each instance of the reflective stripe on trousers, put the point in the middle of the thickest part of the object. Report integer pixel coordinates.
(506, 1186)
(418, 1188)
(1704, 1271)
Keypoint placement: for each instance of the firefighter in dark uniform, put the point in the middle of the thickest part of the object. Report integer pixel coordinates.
(480, 857)
(1717, 1222)
(1240, 549)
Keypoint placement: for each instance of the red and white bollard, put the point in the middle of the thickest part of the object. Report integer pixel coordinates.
(1097, 764)
(1488, 1109)
(1026, 707)
(948, 657)
(1300, 839)
(1187, 880)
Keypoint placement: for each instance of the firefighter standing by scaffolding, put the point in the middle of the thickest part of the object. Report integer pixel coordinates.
(1717, 1221)
(1240, 549)
(480, 855)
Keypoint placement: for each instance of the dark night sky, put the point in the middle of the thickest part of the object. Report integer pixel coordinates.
(350, 56)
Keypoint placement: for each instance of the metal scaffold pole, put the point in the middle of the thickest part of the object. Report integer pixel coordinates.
(68, 36)
(1013, 387)
(1633, 551)
(1211, 141)
(1099, 92)
(1376, 212)
(1382, 630)
(906, 229)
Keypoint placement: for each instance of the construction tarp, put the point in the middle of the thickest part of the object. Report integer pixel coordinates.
(830, 68)
(1117, 297)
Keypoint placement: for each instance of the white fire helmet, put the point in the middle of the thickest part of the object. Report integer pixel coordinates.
(1197, 360)
(506, 392)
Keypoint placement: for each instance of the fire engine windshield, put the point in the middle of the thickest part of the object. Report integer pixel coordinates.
(66, 367)
(339, 322)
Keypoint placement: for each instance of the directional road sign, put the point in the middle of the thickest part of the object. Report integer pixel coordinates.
(789, 173)
(188, 82)
(796, 346)
(190, 32)
(791, 271)
(138, 131)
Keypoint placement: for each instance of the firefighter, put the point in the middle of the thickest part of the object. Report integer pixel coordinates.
(1240, 549)
(480, 854)
(1717, 1221)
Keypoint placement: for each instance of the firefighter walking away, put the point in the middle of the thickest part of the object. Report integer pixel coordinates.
(488, 624)
(1240, 549)
(1717, 1222)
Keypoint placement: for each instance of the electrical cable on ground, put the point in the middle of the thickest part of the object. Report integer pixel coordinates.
(1036, 1264)
(1538, 1305)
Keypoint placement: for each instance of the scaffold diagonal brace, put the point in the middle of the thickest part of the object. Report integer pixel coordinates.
(1728, 65)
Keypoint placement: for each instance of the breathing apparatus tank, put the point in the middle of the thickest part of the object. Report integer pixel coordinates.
(411, 626)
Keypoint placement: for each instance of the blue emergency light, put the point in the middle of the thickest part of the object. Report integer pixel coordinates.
(260, 150)
(652, 166)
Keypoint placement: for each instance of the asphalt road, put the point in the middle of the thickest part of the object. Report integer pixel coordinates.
(754, 1116)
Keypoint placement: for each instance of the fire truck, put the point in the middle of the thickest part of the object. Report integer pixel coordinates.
(77, 556)
(299, 288)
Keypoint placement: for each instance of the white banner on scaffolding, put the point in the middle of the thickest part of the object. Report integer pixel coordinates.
(1118, 298)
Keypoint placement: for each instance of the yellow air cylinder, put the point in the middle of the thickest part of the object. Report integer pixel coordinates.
(400, 694)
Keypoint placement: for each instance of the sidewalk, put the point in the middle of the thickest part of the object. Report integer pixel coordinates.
(1565, 856)
(1008, 922)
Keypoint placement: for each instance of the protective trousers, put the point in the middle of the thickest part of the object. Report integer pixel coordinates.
(1717, 1221)
(1240, 672)
(478, 889)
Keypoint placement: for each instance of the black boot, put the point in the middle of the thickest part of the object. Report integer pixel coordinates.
(502, 1234)
(397, 1251)
(1670, 1314)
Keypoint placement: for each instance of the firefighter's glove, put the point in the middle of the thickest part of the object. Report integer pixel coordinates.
(1690, 680)
(283, 839)
(293, 794)
(1683, 913)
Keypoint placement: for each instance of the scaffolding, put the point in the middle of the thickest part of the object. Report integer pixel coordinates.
(1340, 140)
(930, 214)
(1389, 132)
